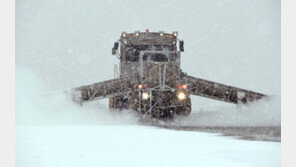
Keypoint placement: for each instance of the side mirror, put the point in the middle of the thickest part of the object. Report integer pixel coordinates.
(116, 45)
(181, 46)
(114, 49)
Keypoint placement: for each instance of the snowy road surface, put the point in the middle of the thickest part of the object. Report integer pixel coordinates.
(259, 133)
(132, 145)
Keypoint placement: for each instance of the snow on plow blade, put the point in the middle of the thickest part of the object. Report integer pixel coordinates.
(217, 91)
(101, 90)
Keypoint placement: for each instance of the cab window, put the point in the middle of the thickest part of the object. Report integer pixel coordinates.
(132, 53)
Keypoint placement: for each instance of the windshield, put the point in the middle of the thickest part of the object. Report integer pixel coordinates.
(132, 52)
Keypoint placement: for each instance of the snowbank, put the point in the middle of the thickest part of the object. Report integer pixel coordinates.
(265, 112)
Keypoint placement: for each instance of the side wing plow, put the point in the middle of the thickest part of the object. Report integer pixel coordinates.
(217, 91)
(101, 90)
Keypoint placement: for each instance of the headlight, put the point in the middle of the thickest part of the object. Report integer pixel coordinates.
(145, 95)
(181, 96)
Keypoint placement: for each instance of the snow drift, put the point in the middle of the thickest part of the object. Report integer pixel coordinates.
(38, 105)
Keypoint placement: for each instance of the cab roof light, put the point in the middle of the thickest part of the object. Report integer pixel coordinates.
(137, 33)
(123, 34)
(175, 33)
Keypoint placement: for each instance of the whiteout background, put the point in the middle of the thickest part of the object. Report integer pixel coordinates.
(63, 44)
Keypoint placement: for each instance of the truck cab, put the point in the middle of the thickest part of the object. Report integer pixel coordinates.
(163, 45)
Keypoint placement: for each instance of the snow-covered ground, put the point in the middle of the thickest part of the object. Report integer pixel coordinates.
(92, 146)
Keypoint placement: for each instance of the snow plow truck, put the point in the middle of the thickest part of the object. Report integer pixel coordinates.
(150, 81)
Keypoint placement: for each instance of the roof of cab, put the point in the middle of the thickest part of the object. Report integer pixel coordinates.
(148, 38)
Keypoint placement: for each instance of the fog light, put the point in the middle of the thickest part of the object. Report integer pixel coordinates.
(181, 96)
(145, 95)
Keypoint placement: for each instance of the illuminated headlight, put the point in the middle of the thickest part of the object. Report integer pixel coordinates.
(181, 96)
(161, 33)
(145, 95)
(137, 33)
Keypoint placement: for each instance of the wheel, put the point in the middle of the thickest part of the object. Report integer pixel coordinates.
(185, 109)
(118, 103)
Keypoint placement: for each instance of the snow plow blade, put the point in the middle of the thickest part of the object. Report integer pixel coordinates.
(101, 90)
(217, 91)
